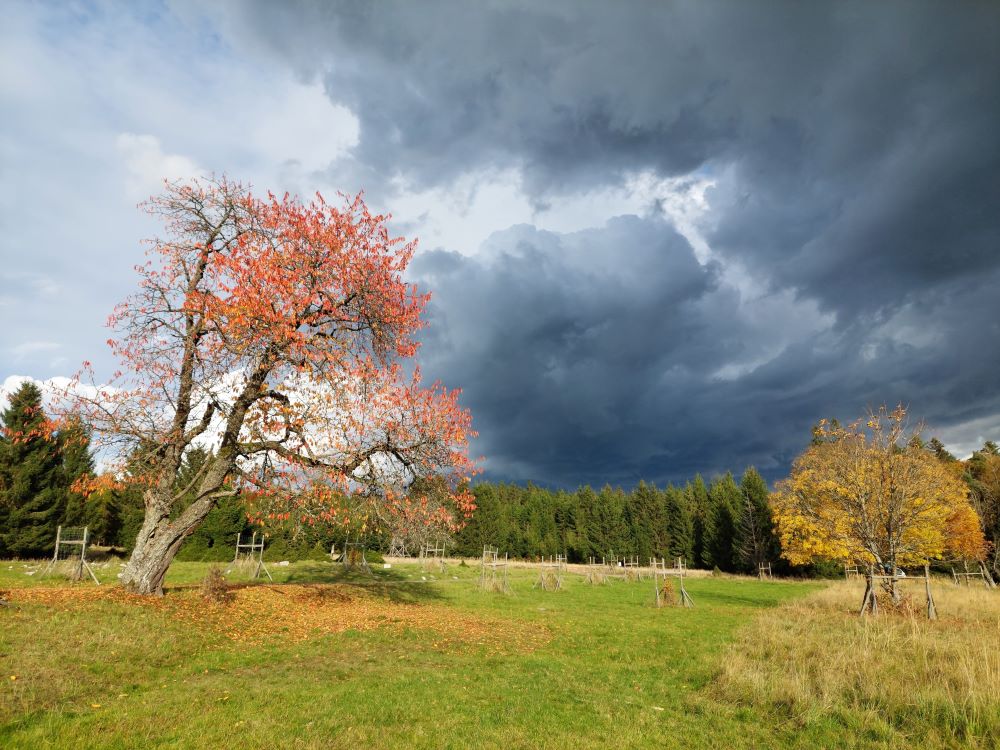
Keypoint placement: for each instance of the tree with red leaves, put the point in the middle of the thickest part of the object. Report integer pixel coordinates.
(275, 333)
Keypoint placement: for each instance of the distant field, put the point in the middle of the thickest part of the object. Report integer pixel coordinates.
(411, 659)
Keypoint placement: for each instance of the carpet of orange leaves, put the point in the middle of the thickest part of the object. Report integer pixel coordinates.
(294, 612)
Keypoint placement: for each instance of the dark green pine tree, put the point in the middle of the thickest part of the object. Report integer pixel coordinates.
(725, 502)
(643, 516)
(131, 510)
(609, 533)
(31, 475)
(75, 513)
(659, 532)
(4, 496)
(477, 530)
(514, 519)
(102, 517)
(129, 501)
(757, 540)
(215, 538)
(680, 524)
(540, 532)
(495, 521)
(583, 526)
(697, 497)
(565, 518)
(936, 447)
(99, 512)
(514, 507)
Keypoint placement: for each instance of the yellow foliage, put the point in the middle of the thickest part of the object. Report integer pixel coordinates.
(857, 495)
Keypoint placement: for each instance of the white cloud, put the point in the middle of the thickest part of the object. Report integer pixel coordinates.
(299, 124)
(462, 215)
(682, 200)
(148, 166)
(10, 385)
(52, 389)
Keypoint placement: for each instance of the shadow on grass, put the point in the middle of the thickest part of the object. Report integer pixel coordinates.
(388, 584)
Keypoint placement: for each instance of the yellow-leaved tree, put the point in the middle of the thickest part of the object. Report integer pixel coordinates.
(861, 494)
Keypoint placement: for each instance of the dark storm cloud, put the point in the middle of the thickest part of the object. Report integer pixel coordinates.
(573, 93)
(581, 92)
(855, 151)
(579, 368)
(563, 349)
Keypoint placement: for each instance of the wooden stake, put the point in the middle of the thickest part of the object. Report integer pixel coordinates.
(931, 610)
(868, 602)
(990, 583)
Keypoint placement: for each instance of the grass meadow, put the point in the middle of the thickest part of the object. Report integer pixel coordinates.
(407, 658)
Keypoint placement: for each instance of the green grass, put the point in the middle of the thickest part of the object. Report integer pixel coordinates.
(611, 671)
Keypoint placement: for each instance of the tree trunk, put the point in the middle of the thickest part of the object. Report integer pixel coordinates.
(868, 602)
(160, 537)
(890, 585)
(157, 544)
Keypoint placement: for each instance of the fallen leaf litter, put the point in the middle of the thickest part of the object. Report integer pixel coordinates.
(296, 612)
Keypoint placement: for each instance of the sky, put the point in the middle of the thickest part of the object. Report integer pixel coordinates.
(661, 238)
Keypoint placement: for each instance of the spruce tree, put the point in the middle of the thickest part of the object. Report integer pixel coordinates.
(102, 517)
(565, 517)
(757, 540)
(697, 497)
(540, 533)
(936, 447)
(609, 533)
(131, 506)
(642, 513)
(77, 463)
(680, 525)
(659, 533)
(4, 495)
(131, 509)
(583, 529)
(725, 502)
(216, 537)
(34, 493)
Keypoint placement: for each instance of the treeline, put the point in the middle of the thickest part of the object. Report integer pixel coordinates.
(725, 524)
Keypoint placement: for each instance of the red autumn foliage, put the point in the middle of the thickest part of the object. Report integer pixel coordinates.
(276, 331)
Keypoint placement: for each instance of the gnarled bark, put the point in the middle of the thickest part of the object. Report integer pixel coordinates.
(161, 537)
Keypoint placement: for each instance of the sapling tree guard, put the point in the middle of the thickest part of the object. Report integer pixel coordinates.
(274, 332)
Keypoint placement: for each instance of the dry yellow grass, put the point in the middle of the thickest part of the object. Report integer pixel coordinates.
(816, 658)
